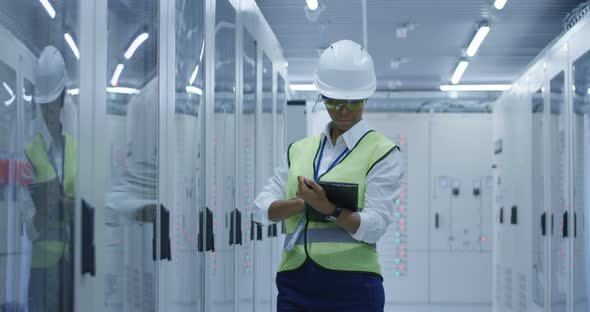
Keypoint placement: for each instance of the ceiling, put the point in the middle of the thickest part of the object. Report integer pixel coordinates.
(437, 32)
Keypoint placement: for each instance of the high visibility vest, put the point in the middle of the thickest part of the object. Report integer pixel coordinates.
(326, 243)
(52, 244)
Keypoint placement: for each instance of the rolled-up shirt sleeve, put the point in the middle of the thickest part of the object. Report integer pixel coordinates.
(273, 191)
(383, 189)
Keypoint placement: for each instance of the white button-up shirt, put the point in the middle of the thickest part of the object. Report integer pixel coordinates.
(382, 188)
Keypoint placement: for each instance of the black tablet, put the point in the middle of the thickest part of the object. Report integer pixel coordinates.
(343, 195)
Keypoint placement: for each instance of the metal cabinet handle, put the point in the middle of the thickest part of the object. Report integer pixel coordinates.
(436, 220)
(544, 224)
(514, 215)
(235, 229)
(575, 225)
(165, 249)
(564, 232)
(205, 237)
(88, 250)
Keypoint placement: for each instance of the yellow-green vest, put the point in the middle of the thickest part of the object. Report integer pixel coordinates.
(51, 246)
(328, 245)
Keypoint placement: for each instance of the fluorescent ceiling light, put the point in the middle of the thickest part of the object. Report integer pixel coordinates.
(481, 34)
(487, 87)
(499, 4)
(48, 7)
(196, 70)
(135, 44)
(10, 101)
(8, 89)
(27, 98)
(459, 71)
(117, 90)
(312, 4)
(303, 87)
(72, 45)
(10, 92)
(194, 74)
(122, 90)
(588, 90)
(194, 90)
(117, 74)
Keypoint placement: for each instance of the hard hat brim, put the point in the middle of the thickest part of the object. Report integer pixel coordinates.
(51, 96)
(349, 94)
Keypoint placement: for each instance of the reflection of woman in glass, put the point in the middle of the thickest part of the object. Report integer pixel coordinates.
(130, 209)
(52, 155)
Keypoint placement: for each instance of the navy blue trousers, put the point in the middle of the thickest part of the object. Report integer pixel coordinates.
(311, 288)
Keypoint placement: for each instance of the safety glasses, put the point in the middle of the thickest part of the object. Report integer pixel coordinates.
(351, 105)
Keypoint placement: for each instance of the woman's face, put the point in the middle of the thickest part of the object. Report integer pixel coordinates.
(51, 111)
(345, 118)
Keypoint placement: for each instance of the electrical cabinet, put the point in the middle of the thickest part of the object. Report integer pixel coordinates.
(175, 116)
(461, 198)
(404, 249)
(443, 218)
(541, 262)
(246, 175)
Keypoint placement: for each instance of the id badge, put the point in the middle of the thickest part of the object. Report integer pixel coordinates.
(296, 234)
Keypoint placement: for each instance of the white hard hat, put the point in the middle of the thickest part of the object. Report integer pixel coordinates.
(345, 71)
(50, 75)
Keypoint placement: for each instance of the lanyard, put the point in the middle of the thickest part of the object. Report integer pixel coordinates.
(317, 168)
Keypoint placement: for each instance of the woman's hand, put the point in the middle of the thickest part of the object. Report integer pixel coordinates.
(313, 194)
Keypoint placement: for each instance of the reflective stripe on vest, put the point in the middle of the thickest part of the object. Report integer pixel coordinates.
(325, 235)
(46, 251)
(44, 171)
(327, 244)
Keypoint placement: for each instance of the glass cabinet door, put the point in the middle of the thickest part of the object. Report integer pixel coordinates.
(268, 134)
(538, 199)
(280, 152)
(131, 130)
(281, 108)
(221, 263)
(246, 174)
(15, 249)
(581, 186)
(182, 291)
(263, 279)
(558, 204)
(38, 151)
